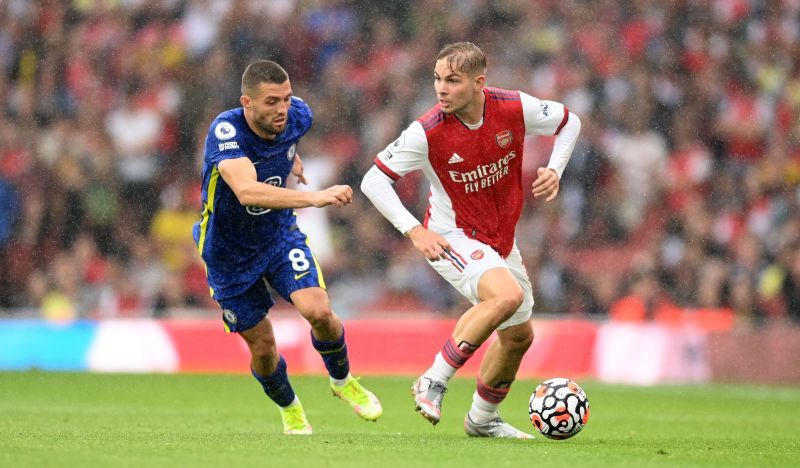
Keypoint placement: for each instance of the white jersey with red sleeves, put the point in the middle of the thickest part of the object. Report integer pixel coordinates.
(475, 173)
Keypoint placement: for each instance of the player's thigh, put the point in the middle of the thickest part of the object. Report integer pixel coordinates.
(465, 264)
(293, 266)
(496, 283)
(517, 269)
(245, 311)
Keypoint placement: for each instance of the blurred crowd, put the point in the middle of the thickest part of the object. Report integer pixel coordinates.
(682, 194)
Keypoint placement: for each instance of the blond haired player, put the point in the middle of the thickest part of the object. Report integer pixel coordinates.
(470, 148)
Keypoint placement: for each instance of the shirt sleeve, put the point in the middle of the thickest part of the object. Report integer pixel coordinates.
(406, 154)
(564, 144)
(303, 113)
(223, 142)
(378, 189)
(543, 117)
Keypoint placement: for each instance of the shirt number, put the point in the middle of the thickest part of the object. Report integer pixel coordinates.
(299, 260)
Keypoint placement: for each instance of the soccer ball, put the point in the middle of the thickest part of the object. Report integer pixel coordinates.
(558, 408)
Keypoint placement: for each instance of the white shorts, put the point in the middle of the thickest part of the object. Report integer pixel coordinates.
(470, 259)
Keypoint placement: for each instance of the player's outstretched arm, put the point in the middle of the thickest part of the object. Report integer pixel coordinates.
(240, 175)
(339, 195)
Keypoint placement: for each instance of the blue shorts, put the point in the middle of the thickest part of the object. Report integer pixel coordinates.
(291, 267)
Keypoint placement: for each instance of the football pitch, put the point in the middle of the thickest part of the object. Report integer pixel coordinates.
(62, 419)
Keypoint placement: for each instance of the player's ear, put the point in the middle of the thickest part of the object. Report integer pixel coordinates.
(244, 100)
(480, 82)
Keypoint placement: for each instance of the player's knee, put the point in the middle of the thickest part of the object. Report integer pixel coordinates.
(508, 303)
(518, 339)
(522, 341)
(319, 315)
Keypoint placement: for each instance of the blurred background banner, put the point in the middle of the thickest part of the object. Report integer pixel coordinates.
(611, 352)
(680, 208)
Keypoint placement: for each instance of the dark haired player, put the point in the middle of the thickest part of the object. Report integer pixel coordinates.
(249, 238)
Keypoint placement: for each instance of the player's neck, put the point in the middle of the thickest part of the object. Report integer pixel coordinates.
(473, 114)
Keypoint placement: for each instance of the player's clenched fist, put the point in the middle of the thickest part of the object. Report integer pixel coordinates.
(546, 184)
(339, 195)
(432, 245)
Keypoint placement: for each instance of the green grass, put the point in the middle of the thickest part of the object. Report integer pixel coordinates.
(73, 420)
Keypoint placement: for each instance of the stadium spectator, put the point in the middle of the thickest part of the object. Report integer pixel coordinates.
(645, 301)
(714, 83)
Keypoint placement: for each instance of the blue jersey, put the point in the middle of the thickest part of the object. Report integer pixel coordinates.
(235, 240)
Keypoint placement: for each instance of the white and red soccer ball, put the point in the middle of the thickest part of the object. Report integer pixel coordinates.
(558, 408)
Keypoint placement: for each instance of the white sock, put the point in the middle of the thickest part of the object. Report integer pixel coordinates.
(440, 370)
(482, 411)
(340, 382)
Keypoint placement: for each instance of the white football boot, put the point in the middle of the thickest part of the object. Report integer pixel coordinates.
(428, 394)
(494, 428)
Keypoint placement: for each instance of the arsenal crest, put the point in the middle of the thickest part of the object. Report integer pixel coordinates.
(504, 138)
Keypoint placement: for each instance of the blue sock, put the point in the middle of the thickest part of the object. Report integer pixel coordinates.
(277, 385)
(334, 354)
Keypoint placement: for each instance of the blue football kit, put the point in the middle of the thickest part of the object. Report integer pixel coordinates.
(247, 249)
